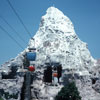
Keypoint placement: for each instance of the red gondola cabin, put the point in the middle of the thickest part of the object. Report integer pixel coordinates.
(31, 68)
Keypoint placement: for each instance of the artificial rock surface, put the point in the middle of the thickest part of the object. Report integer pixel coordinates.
(56, 41)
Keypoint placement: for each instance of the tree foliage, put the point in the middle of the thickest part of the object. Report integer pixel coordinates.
(68, 92)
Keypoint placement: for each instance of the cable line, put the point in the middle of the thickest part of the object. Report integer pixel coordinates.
(10, 36)
(13, 29)
(19, 18)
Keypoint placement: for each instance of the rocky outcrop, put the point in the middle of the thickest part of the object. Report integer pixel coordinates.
(11, 81)
(10, 89)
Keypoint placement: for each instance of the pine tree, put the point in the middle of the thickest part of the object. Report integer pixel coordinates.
(68, 92)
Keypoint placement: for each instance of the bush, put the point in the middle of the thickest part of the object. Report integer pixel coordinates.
(68, 92)
(1, 98)
(8, 96)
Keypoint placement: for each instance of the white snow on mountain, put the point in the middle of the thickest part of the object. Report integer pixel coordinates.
(57, 41)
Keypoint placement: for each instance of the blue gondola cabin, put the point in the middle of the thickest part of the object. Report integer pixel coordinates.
(31, 55)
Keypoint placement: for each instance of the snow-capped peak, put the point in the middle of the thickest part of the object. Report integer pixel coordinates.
(55, 19)
(53, 12)
(57, 41)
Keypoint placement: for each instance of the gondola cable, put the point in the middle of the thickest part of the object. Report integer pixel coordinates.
(11, 37)
(13, 29)
(19, 18)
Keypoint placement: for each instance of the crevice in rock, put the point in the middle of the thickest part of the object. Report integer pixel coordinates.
(93, 81)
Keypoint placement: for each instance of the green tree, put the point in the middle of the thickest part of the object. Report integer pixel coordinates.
(68, 92)
(1, 98)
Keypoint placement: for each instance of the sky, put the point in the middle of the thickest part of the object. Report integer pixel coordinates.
(84, 14)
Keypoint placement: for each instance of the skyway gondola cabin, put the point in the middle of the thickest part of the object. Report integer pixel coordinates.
(31, 55)
(31, 68)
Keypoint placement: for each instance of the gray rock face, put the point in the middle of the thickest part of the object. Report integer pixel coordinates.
(10, 89)
(96, 86)
(96, 77)
(86, 90)
(11, 81)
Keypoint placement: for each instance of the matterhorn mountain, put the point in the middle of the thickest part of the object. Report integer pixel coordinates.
(56, 41)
